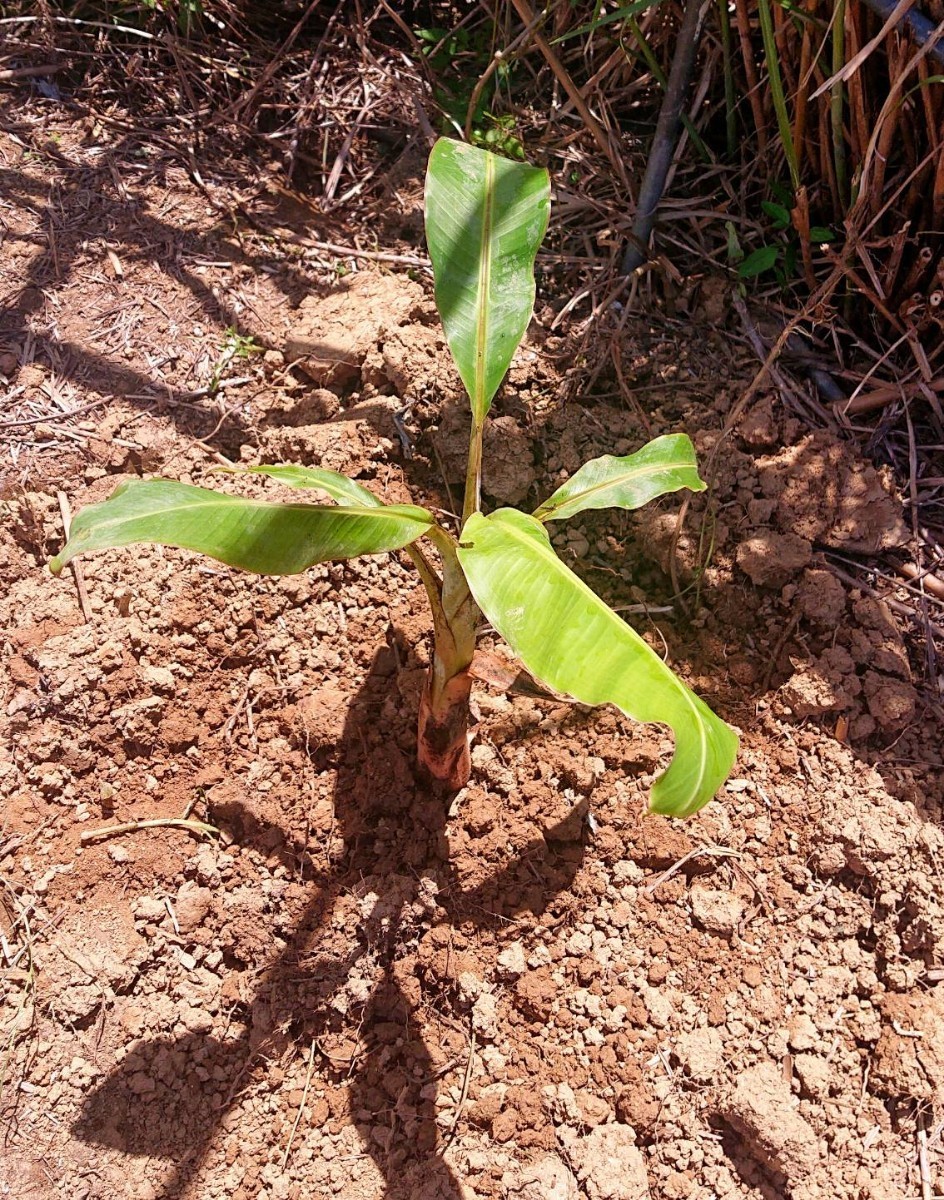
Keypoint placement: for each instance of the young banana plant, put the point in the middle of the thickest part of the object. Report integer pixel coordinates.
(485, 219)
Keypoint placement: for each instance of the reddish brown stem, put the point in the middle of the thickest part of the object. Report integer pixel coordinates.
(442, 749)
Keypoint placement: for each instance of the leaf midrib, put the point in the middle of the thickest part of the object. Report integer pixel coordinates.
(481, 300)
(386, 512)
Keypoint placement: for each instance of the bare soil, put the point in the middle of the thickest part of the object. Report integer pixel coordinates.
(356, 989)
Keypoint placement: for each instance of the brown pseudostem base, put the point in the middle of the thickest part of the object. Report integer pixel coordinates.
(442, 747)
(442, 750)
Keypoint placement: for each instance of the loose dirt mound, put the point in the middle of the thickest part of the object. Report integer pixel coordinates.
(355, 991)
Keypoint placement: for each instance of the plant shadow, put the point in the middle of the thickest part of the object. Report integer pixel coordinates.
(181, 1091)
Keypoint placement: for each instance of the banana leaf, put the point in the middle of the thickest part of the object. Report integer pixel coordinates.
(253, 535)
(665, 464)
(569, 639)
(338, 486)
(485, 219)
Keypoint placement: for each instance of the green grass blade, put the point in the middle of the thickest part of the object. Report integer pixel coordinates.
(776, 91)
(730, 94)
(567, 637)
(253, 535)
(485, 219)
(666, 464)
(623, 13)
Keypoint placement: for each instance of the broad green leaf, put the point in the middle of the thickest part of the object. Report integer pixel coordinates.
(269, 539)
(779, 212)
(485, 219)
(337, 486)
(665, 464)
(759, 261)
(568, 638)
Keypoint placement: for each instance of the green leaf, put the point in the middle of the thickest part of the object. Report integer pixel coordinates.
(567, 637)
(337, 486)
(485, 219)
(821, 233)
(269, 539)
(777, 212)
(759, 261)
(665, 464)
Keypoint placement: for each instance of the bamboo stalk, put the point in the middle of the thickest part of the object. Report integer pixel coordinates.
(665, 138)
(837, 102)
(856, 93)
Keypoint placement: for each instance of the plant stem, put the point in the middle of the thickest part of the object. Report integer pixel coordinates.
(473, 476)
(836, 104)
(443, 727)
(665, 139)
(775, 82)
(730, 96)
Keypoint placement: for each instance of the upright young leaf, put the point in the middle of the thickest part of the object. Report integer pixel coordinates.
(665, 464)
(567, 637)
(485, 219)
(269, 539)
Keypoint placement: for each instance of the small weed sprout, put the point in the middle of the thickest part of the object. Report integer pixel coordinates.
(485, 219)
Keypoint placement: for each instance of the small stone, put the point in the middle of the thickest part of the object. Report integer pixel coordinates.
(561, 1104)
(470, 987)
(147, 908)
(771, 559)
(485, 1015)
(659, 1007)
(701, 1053)
(609, 1163)
(511, 963)
(160, 679)
(547, 1179)
(822, 598)
(720, 912)
(802, 1034)
(140, 1083)
(759, 427)
(504, 1125)
(196, 1020)
(762, 1108)
(909, 1057)
(594, 1110)
(621, 914)
(192, 905)
(813, 1073)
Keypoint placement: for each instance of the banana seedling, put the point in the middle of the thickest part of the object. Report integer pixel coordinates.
(485, 219)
